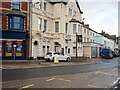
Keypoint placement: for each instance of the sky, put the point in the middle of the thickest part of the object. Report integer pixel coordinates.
(101, 15)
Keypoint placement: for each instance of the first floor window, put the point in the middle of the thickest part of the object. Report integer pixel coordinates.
(56, 26)
(66, 28)
(15, 22)
(39, 23)
(74, 28)
(45, 25)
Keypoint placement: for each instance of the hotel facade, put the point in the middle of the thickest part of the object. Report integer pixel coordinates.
(54, 26)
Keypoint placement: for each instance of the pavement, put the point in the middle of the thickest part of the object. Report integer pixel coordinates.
(18, 64)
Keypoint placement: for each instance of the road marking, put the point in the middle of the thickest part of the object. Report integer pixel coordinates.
(50, 79)
(64, 80)
(60, 79)
(93, 86)
(26, 86)
(67, 80)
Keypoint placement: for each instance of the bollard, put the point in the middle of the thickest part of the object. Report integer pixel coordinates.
(56, 59)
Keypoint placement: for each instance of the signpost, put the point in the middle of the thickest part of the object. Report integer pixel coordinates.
(14, 50)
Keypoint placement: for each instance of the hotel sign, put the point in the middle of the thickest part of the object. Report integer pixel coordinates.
(67, 38)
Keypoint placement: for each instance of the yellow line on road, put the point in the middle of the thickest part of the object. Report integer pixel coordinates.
(60, 79)
(50, 79)
(64, 80)
(26, 86)
(67, 80)
(93, 86)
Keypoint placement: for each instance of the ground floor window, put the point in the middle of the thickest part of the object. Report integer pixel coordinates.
(74, 49)
(48, 48)
(0, 48)
(66, 49)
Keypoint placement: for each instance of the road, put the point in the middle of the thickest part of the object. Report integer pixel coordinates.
(63, 71)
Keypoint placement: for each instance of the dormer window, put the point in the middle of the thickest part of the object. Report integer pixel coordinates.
(16, 4)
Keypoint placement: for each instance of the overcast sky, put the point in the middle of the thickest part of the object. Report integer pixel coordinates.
(101, 15)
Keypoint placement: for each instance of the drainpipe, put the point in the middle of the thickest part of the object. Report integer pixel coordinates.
(30, 26)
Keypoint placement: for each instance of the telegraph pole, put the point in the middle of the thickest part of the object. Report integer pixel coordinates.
(76, 44)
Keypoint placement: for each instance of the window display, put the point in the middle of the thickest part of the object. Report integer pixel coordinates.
(19, 49)
(8, 48)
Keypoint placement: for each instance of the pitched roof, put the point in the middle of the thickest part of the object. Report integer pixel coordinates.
(65, 2)
(74, 20)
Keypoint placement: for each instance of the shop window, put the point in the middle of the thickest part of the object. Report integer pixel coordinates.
(15, 22)
(16, 4)
(0, 48)
(8, 48)
(19, 49)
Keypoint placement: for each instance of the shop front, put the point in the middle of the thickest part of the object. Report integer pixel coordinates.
(12, 45)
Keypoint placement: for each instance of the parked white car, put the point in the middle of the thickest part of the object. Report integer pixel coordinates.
(50, 56)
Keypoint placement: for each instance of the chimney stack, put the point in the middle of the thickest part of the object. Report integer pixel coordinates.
(82, 23)
(87, 25)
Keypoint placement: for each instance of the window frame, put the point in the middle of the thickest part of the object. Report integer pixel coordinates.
(45, 25)
(40, 24)
(11, 22)
(74, 30)
(56, 26)
(66, 27)
(45, 6)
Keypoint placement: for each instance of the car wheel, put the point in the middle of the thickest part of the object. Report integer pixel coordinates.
(53, 59)
(48, 60)
(68, 59)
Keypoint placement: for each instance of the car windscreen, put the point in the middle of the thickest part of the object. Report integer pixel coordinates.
(49, 53)
(57, 53)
